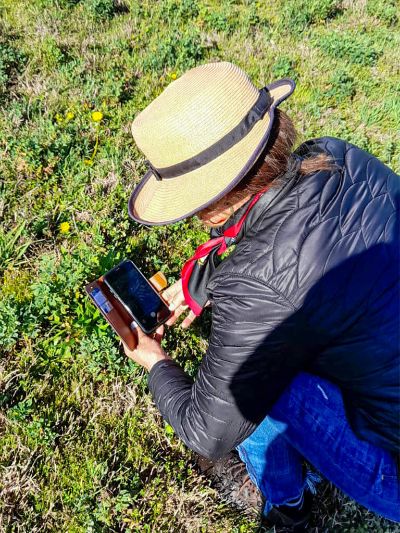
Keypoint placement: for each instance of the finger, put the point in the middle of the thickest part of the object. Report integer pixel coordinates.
(188, 320)
(171, 291)
(126, 348)
(158, 331)
(176, 314)
(171, 321)
(130, 352)
(168, 294)
(175, 297)
(138, 331)
(176, 301)
(159, 334)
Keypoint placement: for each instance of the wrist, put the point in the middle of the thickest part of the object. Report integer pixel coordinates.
(156, 358)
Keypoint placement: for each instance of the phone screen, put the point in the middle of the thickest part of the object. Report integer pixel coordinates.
(130, 286)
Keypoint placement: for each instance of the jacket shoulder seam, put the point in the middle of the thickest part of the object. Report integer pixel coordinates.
(260, 281)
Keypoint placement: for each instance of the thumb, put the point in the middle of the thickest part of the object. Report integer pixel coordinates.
(139, 332)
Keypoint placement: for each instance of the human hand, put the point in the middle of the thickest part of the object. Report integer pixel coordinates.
(174, 296)
(148, 350)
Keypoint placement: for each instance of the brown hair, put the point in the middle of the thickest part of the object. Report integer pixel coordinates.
(268, 168)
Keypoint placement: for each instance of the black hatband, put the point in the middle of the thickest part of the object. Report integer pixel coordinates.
(256, 113)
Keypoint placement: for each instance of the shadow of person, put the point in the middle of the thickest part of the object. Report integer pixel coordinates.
(346, 332)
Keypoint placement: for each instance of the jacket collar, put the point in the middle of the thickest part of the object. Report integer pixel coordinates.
(278, 189)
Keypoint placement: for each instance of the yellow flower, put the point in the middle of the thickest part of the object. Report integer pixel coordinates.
(97, 116)
(174, 75)
(64, 227)
(69, 115)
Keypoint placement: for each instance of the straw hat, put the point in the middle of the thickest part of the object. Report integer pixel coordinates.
(200, 137)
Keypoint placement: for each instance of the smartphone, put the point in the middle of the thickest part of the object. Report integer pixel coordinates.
(137, 295)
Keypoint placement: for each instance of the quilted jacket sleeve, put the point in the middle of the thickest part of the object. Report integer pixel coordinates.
(252, 356)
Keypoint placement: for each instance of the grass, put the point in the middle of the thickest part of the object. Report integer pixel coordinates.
(82, 448)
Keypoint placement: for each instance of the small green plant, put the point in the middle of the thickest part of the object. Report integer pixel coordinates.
(342, 88)
(104, 9)
(12, 246)
(180, 50)
(183, 10)
(387, 12)
(12, 62)
(9, 324)
(51, 54)
(297, 16)
(356, 48)
(221, 20)
(15, 283)
(284, 67)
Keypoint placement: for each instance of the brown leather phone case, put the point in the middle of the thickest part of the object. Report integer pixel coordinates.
(114, 312)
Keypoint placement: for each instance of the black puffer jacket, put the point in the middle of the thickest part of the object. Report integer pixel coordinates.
(313, 286)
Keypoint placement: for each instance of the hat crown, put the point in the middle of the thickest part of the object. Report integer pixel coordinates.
(193, 112)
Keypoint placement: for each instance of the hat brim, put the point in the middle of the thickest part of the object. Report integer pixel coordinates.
(158, 202)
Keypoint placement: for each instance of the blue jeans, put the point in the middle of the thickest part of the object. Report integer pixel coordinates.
(308, 422)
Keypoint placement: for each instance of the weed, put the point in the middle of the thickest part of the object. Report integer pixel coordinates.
(342, 88)
(179, 50)
(12, 246)
(12, 62)
(221, 19)
(387, 12)
(184, 10)
(358, 49)
(297, 16)
(284, 67)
